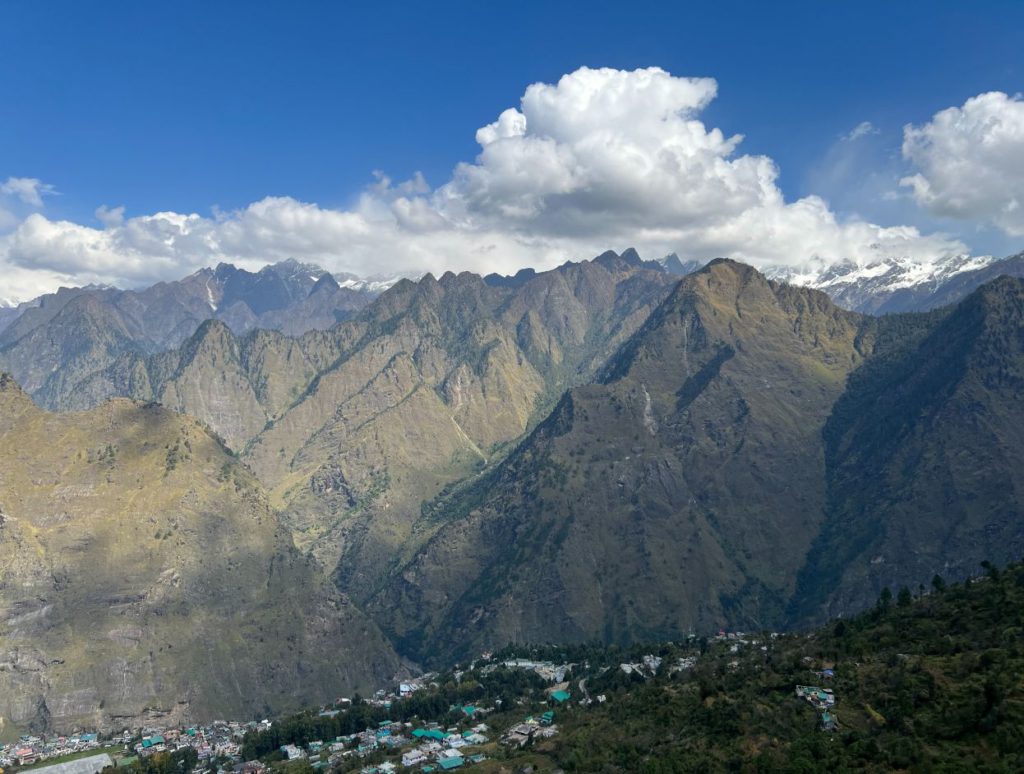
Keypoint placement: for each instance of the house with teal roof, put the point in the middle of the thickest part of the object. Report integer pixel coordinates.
(432, 733)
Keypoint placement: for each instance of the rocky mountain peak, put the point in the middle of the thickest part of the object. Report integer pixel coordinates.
(325, 283)
(631, 256)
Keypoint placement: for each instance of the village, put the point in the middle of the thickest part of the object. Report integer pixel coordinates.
(392, 745)
(218, 740)
(456, 739)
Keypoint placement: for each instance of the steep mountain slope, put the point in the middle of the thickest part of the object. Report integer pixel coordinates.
(145, 579)
(753, 457)
(353, 428)
(53, 354)
(926, 685)
(236, 385)
(925, 455)
(683, 491)
(432, 382)
(59, 347)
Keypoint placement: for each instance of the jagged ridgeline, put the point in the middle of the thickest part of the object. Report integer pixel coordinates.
(77, 347)
(598, 452)
(753, 457)
(144, 579)
(352, 429)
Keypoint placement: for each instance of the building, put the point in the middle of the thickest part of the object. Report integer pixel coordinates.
(413, 758)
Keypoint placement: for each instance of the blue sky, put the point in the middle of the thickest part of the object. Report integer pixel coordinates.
(197, 107)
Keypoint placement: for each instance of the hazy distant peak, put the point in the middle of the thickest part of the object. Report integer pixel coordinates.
(325, 282)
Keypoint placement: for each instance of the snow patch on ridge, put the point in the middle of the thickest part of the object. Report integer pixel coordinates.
(890, 274)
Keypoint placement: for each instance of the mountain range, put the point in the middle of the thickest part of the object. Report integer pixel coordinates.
(613, 450)
(903, 284)
(54, 342)
(64, 348)
(753, 457)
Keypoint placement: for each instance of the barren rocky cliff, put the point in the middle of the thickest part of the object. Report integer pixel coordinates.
(146, 578)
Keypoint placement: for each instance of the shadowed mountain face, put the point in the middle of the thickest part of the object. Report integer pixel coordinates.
(925, 455)
(353, 428)
(145, 579)
(744, 461)
(681, 491)
(431, 385)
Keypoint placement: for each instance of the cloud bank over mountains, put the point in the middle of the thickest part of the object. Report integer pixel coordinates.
(604, 158)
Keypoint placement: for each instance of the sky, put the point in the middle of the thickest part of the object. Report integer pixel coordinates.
(141, 141)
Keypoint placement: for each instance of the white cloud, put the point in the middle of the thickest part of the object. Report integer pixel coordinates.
(602, 159)
(28, 189)
(611, 157)
(970, 161)
(110, 216)
(863, 129)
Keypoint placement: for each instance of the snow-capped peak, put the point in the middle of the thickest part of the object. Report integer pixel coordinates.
(857, 285)
(376, 284)
(894, 272)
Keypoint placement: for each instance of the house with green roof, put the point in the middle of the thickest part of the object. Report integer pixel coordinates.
(560, 696)
(433, 733)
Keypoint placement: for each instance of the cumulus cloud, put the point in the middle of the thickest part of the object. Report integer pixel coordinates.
(604, 151)
(603, 158)
(110, 216)
(28, 189)
(971, 161)
(607, 156)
